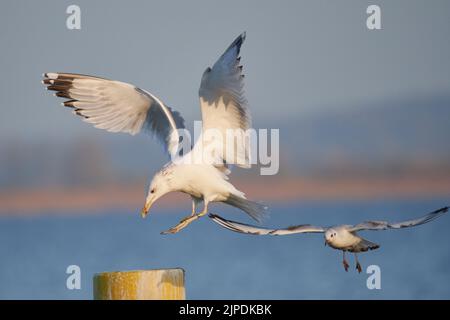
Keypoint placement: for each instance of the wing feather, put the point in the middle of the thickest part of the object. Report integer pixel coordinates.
(224, 106)
(117, 106)
(246, 228)
(383, 225)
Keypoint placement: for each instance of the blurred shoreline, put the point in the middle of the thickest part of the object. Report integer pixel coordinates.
(388, 149)
(131, 196)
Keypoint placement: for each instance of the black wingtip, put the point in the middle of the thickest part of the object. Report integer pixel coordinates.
(238, 42)
(443, 210)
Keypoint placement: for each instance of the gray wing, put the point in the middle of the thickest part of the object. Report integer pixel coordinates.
(224, 105)
(117, 106)
(246, 228)
(383, 225)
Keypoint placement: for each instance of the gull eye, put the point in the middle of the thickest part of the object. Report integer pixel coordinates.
(152, 191)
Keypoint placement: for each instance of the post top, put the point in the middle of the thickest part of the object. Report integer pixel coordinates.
(138, 271)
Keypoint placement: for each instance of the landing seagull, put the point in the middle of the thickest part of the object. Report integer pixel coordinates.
(121, 107)
(341, 237)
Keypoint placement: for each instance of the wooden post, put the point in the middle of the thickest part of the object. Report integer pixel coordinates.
(160, 284)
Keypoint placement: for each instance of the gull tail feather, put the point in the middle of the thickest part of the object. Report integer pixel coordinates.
(256, 210)
(366, 245)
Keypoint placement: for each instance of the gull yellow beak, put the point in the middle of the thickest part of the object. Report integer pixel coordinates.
(145, 209)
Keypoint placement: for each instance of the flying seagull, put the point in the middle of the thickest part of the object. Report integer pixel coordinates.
(203, 171)
(341, 237)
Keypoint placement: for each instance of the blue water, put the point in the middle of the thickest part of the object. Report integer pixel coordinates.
(219, 264)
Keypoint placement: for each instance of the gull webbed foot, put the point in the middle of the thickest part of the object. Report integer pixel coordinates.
(187, 218)
(183, 224)
(358, 265)
(344, 261)
(346, 265)
(186, 221)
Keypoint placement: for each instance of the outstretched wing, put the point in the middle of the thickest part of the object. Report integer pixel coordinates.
(383, 225)
(224, 107)
(246, 228)
(117, 106)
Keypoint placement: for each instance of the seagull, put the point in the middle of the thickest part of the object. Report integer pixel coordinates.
(340, 237)
(203, 171)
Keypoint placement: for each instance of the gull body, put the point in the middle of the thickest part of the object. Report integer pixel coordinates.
(338, 237)
(341, 237)
(203, 182)
(202, 171)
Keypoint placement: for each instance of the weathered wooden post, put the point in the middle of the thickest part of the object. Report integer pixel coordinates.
(159, 284)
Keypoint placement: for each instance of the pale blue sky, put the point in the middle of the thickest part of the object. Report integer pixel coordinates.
(299, 56)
